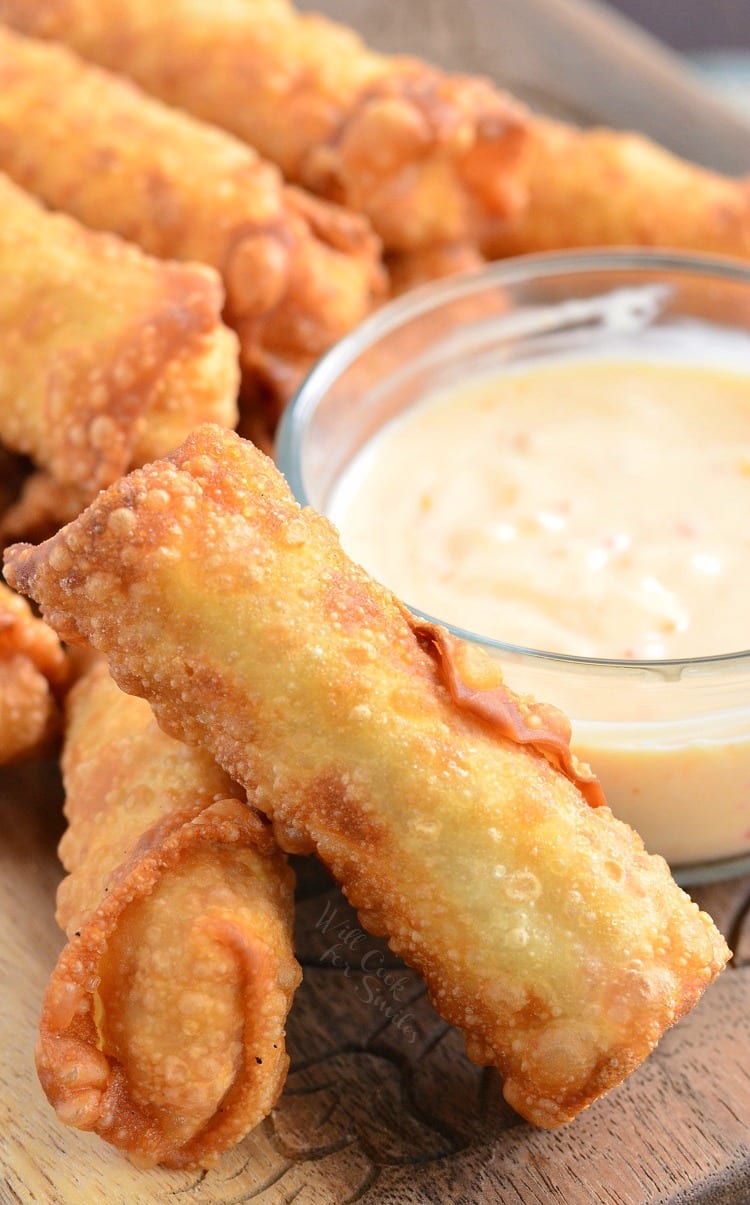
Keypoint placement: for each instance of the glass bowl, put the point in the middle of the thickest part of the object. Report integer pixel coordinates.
(670, 740)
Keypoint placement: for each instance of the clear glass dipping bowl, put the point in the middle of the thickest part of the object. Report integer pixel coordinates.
(670, 740)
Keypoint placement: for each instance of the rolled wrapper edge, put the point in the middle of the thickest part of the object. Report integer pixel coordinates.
(88, 1089)
(525, 721)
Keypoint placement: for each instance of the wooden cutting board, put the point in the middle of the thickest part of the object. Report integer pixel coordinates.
(381, 1104)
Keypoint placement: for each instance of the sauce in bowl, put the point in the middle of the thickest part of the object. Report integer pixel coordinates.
(599, 509)
(552, 456)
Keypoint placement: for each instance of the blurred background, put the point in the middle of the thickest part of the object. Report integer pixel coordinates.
(591, 62)
(714, 34)
(691, 25)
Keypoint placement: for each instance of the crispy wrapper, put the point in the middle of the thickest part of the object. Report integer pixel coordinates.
(33, 673)
(298, 273)
(596, 188)
(409, 269)
(163, 1023)
(109, 358)
(431, 158)
(450, 810)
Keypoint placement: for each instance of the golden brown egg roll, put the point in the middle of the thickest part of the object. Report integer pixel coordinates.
(298, 273)
(33, 672)
(430, 158)
(410, 269)
(596, 188)
(450, 810)
(109, 358)
(163, 1023)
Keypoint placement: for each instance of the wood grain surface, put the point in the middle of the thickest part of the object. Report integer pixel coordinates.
(381, 1104)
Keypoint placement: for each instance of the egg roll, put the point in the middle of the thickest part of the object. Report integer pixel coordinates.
(33, 673)
(451, 811)
(298, 273)
(162, 1027)
(430, 158)
(410, 269)
(108, 358)
(600, 187)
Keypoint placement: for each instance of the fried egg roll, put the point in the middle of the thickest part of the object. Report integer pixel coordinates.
(298, 273)
(410, 269)
(163, 1023)
(108, 358)
(430, 158)
(451, 810)
(600, 187)
(33, 672)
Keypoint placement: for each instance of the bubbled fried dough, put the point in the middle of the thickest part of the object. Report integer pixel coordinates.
(298, 273)
(162, 1027)
(28, 714)
(106, 355)
(33, 671)
(430, 158)
(542, 927)
(196, 383)
(607, 188)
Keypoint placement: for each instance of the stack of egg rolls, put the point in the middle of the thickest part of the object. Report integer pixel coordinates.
(429, 158)
(162, 1027)
(444, 166)
(450, 810)
(298, 273)
(109, 358)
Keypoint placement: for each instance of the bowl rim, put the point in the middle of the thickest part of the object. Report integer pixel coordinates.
(416, 302)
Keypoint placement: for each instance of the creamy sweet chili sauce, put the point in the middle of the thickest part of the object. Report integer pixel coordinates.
(595, 508)
(598, 507)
